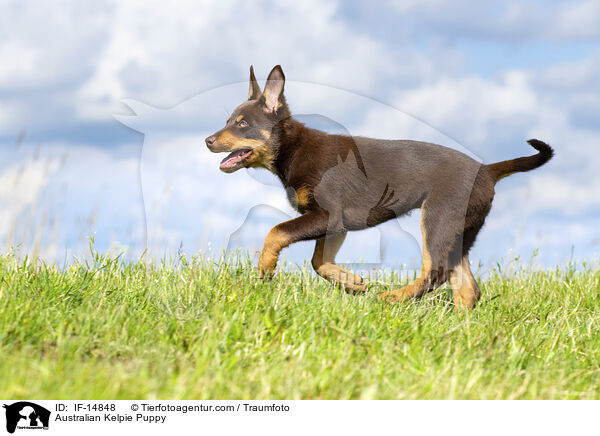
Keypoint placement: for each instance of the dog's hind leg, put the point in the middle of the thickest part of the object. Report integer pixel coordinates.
(425, 282)
(464, 286)
(323, 261)
(439, 238)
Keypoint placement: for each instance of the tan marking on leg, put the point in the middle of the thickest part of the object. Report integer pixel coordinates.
(421, 283)
(323, 262)
(414, 289)
(336, 274)
(464, 286)
(275, 241)
(326, 248)
(427, 263)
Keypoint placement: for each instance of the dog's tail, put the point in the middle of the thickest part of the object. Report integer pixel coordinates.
(505, 168)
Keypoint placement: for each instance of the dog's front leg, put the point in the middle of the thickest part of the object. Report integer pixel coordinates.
(311, 225)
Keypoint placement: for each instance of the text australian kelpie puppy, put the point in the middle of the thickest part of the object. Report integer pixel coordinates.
(340, 183)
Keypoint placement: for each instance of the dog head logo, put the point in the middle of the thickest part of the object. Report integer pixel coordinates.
(26, 415)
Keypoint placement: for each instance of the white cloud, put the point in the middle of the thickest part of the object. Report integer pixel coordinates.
(163, 54)
(464, 107)
(579, 19)
(49, 44)
(507, 19)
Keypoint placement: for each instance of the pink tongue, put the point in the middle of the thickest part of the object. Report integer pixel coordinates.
(234, 159)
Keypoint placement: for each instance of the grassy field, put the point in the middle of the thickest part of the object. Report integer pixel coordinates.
(196, 329)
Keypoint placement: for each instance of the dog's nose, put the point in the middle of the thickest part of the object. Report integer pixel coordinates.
(210, 141)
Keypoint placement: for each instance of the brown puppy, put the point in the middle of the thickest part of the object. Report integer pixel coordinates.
(341, 183)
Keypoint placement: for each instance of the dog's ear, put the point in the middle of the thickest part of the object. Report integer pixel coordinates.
(254, 92)
(273, 94)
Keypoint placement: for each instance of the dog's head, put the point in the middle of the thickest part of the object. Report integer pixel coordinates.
(248, 135)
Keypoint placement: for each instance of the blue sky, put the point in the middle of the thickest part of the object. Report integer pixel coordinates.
(479, 76)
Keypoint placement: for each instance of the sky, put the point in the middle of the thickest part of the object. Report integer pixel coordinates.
(104, 107)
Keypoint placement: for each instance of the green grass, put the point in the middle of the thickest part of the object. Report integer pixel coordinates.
(204, 330)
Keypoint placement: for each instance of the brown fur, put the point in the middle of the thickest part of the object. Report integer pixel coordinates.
(341, 183)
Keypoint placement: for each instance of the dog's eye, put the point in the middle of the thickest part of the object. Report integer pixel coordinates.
(243, 123)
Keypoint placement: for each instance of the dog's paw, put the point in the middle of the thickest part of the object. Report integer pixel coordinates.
(266, 266)
(393, 296)
(357, 286)
(265, 274)
(356, 289)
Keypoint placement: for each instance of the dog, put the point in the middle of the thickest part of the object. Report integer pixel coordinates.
(341, 183)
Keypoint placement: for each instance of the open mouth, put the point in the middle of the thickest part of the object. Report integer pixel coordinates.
(235, 160)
